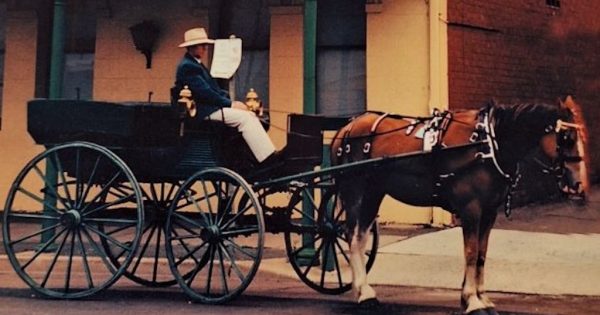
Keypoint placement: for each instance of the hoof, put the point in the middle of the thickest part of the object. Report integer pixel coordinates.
(369, 304)
(491, 311)
(480, 311)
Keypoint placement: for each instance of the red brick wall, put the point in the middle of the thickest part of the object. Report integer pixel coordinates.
(524, 50)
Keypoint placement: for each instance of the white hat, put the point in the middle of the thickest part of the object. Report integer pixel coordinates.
(196, 36)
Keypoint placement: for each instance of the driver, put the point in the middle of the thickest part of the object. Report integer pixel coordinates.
(215, 104)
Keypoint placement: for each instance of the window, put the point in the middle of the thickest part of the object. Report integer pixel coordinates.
(78, 76)
(79, 50)
(250, 21)
(341, 65)
(553, 3)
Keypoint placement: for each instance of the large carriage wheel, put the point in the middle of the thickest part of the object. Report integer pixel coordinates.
(315, 241)
(149, 267)
(61, 207)
(215, 235)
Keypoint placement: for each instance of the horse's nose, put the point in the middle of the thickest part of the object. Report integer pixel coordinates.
(573, 189)
(575, 193)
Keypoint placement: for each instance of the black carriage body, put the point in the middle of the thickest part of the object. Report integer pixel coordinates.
(147, 136)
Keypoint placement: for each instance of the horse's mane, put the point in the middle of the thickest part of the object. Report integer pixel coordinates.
(522, 117)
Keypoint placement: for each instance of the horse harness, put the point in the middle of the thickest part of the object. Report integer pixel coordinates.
(433, 134)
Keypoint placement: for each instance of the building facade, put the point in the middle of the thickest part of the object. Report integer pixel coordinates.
(402, 56)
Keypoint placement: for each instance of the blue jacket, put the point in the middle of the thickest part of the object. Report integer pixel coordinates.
(206, 92)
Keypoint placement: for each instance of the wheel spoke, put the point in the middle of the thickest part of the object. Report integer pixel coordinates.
(313, 260)
(231, 258)
(223, 276)
(62, 177)
(310, 244)
(228, 206)
(188, 220)
(240, 249)
(241, 231)
(128, 223)
(143, 250)
(42, 249)
(211, 264)
(86, 266)
(34, 234)
(210, 210)
(183, 244)
(108, 237)
(236, 216)
(69, 264)
(342, 251)
(49, 186)
(325, 261)
(103, 191)
(38, 199)
(191, 253)
(337, 267)
(304, 214)
(108, 205)
(197, 206)
(98, 251)
(156, 254)
(89, 182)
(54, 260)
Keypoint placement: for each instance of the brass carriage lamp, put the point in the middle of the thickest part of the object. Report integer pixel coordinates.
(144, 36)
(253, 102)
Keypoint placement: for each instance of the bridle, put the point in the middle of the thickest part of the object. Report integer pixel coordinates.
(557, 166)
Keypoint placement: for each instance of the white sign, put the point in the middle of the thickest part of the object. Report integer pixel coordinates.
(227, 56)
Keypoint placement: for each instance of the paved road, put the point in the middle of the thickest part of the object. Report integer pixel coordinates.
(276, 294)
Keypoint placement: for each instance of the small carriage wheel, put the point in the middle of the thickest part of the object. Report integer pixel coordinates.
(149, 266)
(214, 235)
(62, 206)
(315, 240)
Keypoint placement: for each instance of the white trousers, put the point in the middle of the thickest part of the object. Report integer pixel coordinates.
(252, 131)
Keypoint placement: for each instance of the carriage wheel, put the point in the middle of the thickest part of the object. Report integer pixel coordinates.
(149, 267)
(316, 244)
(214, 235)
(61, 208)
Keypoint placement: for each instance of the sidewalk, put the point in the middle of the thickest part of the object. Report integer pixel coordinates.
(543, 249)
(518, 262)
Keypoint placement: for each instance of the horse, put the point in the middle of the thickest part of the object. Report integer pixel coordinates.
(469, 165)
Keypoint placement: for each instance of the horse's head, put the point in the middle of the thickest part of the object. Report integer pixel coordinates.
(565, 145)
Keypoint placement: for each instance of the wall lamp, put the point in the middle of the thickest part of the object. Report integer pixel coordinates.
(144, 36)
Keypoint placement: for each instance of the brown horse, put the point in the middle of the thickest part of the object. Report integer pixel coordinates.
(468, 167)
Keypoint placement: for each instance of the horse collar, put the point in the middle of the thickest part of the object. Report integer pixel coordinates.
(484, 132)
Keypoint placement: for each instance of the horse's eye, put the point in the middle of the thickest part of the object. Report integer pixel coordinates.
(567, 140)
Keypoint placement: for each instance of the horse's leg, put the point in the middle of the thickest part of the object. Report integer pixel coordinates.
(487, 222)
(470, 219)
(361, 210)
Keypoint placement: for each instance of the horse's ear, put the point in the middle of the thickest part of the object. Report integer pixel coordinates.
(569, 101)
(561, 104)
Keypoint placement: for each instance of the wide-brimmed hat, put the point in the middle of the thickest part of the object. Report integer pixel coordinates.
(196, 36)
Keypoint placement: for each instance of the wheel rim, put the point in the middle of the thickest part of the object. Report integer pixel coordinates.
(316, 244)
(55, 244)
(215, 236)
(149, 266)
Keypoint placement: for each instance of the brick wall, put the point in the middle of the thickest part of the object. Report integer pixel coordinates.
(525, 50)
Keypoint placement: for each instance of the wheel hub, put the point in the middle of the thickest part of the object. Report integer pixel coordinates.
(213, 234)
(71, 219)
(329, 231)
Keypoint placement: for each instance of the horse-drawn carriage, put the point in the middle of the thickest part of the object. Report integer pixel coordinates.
(133, 189)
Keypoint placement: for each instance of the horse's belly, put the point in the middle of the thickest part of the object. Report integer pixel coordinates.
(413, 190)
